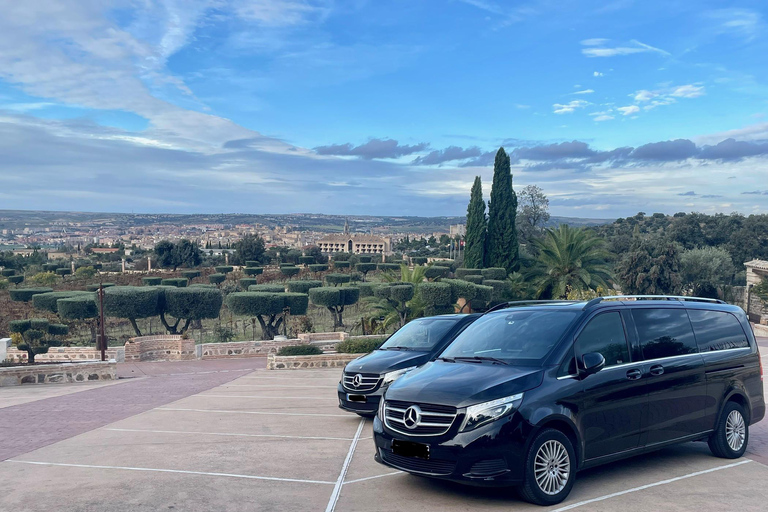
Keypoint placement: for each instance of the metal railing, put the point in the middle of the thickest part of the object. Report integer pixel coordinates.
(680, 298)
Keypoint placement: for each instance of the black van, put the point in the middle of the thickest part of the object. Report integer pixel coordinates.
(532, 393)
(364, 380)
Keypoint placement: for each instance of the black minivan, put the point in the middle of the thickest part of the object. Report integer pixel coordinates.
(364, 380)
(529, 394)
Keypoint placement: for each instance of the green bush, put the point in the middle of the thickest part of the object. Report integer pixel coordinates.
(341, 264)
(77, 308)
(253, 271)
(47, 301)
(337, 279)
(132, 302)
(192, 303)
(58, 330)
(484, 295)
(438, 310)
(190, 274)
(178, 282)
(39, 324)
(299, 350)
(419, 260)
(359, 346)
(461, 273)
(474, 279)
(365, 267)
(224, 269)
(297, 303)
(50, 267)
(16, 279)
(252, 263)
(246, 282)
(255, 303)
(435, 294)
(388, 267)
(500, 289)
(19, 326)
(318, 267)
(435, 272)
(63, 271)
(398, 292)
(461, 289)
(290, 271)
(306, 260)
(367, 289)
(303, 286)
(203, 285)
(6, 272)
(364, 259)
(26, 294)
(269, 288)
(151, 281)
(217, 278)
(95, 287)
(335, 299)
(494, 273)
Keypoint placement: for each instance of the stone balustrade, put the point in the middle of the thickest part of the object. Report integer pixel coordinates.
(57, 373)
(257, 348)
(275, 362)
(314, 337)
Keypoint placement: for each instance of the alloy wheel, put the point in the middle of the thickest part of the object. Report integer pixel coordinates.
(552, 467)
(735, 430)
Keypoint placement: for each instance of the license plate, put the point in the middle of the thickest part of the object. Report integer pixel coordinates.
(409, 449)
(357, 398)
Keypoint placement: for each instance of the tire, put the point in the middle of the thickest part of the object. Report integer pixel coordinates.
(730, 438)
(552, 486)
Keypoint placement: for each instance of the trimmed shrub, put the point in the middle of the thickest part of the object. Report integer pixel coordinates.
(435, 272)
(252, 263)
(303, 286)
(367, 289)
(63, 271)
(26, 294)
(334, 299)
(253, 271)
(178, 282)
(388, 266)
(151, 281)
(484, 294)
(435, 294)
(461, 273)
(299, 350)
(19, 326)
(474, 279)
(39, 324)
(224, 269)
(16, 279)
(190, 274)
(318, 267)
(217, 278)
(494, 273)
(269, 288)
(341, 264)
(359, 346)
(246, 282)
(364, 259)
(50, 267)
(306, 260)
(58, 330)
(252, 303)
(438, 310)
(419, 260)
(6, 272)
(297, 303)
(500, 289)
(364, 268)
(192, 304)
(290, 271)
(132, 302)
(95, 287)
(337, 279)
(80, 307)
(47, 301)
(202, 285)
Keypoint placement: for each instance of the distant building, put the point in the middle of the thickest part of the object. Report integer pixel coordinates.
(458, 229)
(356, 244)
(104, 250)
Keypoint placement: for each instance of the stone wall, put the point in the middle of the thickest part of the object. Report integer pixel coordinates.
(66, 354)
(159, 348)
(311, 337)
(57, 373)
(275, 362)
(256, 348)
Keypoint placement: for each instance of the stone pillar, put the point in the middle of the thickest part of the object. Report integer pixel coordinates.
(4, 344)
(226, 258)
(72, 262)
(123, 265)
(149, 264)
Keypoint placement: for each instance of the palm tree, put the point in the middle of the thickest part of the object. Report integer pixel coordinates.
(570, 261)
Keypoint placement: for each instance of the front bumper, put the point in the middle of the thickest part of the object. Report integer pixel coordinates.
(369, 407)
(492, 455)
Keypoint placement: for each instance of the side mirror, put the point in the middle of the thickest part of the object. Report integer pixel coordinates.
(593, 362)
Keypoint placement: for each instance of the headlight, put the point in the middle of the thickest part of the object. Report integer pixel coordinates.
(486, 412)
(392, 376)
(381, 409)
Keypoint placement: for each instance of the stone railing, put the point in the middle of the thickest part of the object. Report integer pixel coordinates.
(57, 373)
(275, 362)
(256, 348)
(315, 337)
(167, 347)
(66, 354)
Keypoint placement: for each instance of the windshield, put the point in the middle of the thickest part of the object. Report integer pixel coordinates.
(420, 334)
(523, 337)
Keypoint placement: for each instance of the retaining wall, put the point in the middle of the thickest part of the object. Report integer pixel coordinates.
(256, 348)
(166, 347)
(275, 362)
(57, 373)
(67, 354)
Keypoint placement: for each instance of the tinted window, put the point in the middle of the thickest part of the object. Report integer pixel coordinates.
(605, 334)
(524, 336)
(420, 334)
(664, 332)
(717, 330)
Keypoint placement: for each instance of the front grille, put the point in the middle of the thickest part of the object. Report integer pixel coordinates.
(433, 467)
(488, 467)
(368, 382)
(434, 420)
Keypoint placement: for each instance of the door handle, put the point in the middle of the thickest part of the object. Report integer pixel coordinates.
(634, 374)
(656, 369)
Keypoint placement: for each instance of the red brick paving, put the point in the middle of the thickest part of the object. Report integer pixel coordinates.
(30, 426)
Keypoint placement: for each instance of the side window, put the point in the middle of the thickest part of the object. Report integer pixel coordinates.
(664, 332)
(605, 334)
(717, 330)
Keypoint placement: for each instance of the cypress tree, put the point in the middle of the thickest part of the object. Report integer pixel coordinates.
(476, 227)
(501, 243)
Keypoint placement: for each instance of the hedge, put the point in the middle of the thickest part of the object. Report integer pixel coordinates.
(436, 272)
(365, 267)
(39, 324)
(47, 301)
(203, 285)
(367, 289)
(216, 278)
(435, 294)
(500, 288)
(364, 259)
(494, 273)
(388, 266)
(178, 282)
(224, 269)
(484, 293)
(359, 346)
(461, 273)
(306, 260)
(151, 281)
(58, 330)
(290, 271)
(26, 294)
(341, 264)
(95, 287)
(461, 289)
(6, 272)
(303, 286)
(63, 271)
(77, 308)
(192, 303)
(297, 303)
(438, 310)
(246, 282)
(190, 274)
(399, 292)
(474, 279)
(15, 279)
(252, 263)
(132, 301)
(252, 303)
(18, 326)
(270, 288)
(50, 267)
(318, 267)
(419, 260)
(337, 279)
(299, 350)
(253, 271)
(329, 296)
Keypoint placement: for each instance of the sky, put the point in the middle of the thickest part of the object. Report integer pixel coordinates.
(382, 107)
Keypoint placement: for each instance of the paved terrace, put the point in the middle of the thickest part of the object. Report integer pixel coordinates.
(230, 436)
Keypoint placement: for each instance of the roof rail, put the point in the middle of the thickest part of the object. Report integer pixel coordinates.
(526, 302)
(681, 298)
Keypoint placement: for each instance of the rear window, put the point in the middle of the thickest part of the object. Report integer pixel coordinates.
(717, 330)
(664, 332)
(523, 336)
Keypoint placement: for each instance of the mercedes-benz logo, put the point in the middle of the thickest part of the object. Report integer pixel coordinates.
(412, 417)
(357, 380)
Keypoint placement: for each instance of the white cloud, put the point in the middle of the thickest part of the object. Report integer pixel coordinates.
(629, 110)
(585, 91)
(634, 46)
(569, 107)
(644, 95)
(597, 41)
(603, 117)
(688, 91)
(597, 73)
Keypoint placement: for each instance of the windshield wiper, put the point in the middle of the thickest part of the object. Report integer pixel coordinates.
(397, 348)
(480, 359)
(447, 359)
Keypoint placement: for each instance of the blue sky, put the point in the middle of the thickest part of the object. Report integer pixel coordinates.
(382, 107)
